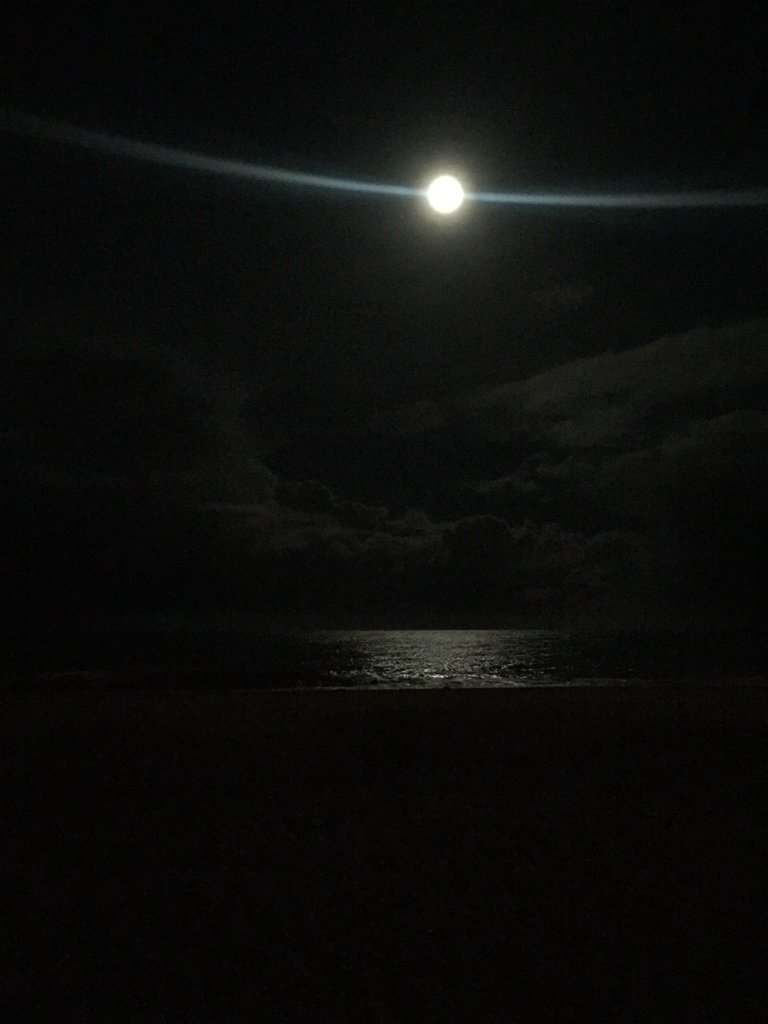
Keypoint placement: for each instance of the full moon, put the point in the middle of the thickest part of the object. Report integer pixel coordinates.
(445, 194)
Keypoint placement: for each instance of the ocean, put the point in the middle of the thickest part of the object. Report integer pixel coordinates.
(237, 659)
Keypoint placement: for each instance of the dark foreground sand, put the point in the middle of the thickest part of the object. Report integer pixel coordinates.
(386, 857)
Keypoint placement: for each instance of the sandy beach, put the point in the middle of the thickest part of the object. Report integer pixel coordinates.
(387, 856)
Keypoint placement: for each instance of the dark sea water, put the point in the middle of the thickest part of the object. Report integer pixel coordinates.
(221, 659)
(435, 658)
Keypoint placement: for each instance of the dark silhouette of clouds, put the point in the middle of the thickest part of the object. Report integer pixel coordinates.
(629, 488)
(653, 461)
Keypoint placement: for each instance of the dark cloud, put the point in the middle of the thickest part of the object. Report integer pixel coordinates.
(670, 439)
(626, 488)
(312, 496)
(112, 456)
(638, 479)
(128, 413)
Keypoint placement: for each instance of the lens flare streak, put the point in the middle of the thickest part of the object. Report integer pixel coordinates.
(148, 152)
(628, 200)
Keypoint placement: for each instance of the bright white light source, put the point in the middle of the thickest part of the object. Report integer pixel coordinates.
(445, 194)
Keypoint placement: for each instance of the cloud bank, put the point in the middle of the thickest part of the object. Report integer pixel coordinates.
(625, 489)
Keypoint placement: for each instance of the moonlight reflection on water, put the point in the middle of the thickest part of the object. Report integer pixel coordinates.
(464, 657)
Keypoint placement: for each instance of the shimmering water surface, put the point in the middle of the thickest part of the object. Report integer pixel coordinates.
(528, 658)
(396, 658)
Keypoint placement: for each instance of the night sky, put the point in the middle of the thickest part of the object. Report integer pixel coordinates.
(225, 397)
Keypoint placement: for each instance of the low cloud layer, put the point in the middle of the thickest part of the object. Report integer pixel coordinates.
(642, 472)
(626, 489)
